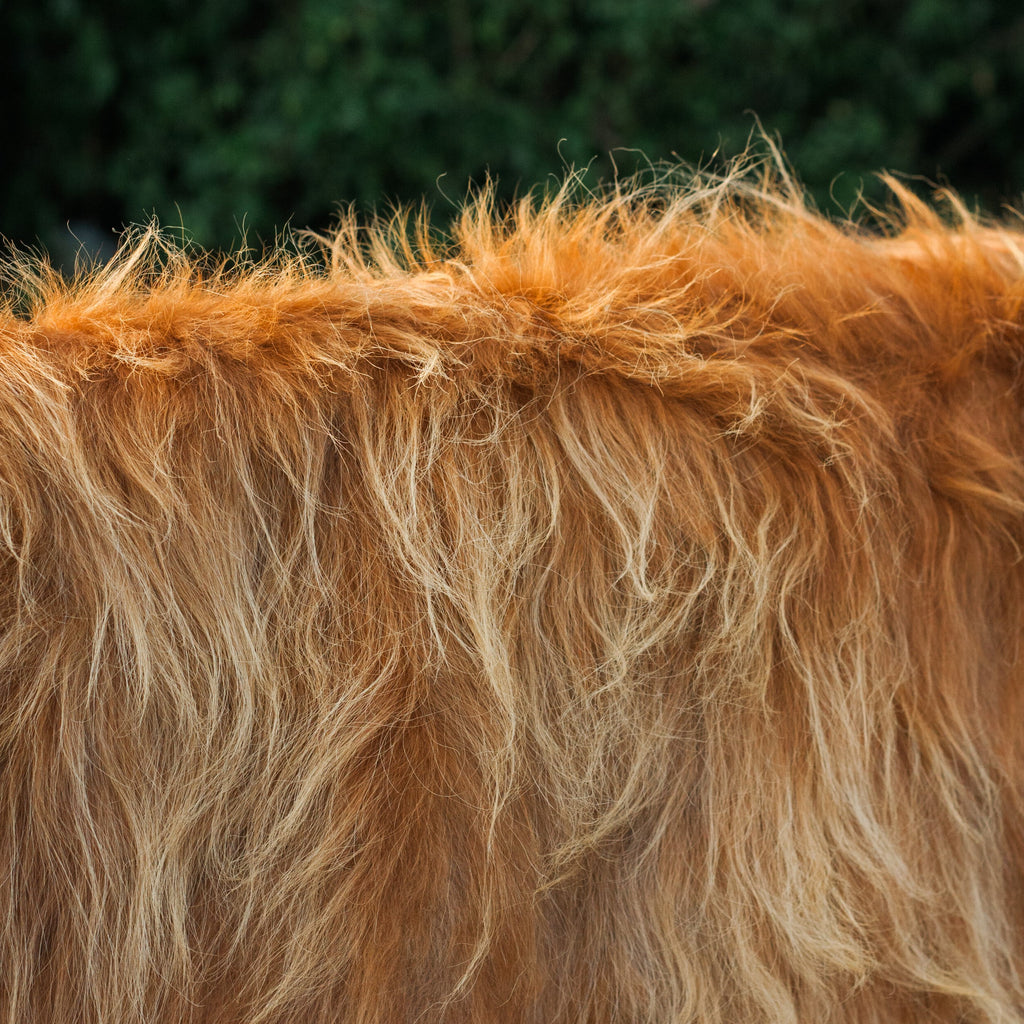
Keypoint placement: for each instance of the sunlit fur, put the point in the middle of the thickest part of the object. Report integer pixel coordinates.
(608, 614)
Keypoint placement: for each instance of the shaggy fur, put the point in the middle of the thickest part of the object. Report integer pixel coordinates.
(610, 616)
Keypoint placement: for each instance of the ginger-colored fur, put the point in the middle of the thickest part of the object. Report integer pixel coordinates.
(611, 616)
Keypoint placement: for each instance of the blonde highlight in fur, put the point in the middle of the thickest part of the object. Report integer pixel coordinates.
(610, 614)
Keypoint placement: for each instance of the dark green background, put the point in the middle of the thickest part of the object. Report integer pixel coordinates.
(227, 113)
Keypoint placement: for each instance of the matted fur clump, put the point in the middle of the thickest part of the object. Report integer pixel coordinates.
(613, 617)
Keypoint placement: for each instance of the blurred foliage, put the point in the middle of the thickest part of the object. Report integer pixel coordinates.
(252, 113)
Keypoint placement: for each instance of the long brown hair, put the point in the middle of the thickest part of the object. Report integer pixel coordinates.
(610, 613)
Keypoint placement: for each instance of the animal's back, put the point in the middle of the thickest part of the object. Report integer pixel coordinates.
(614, 618)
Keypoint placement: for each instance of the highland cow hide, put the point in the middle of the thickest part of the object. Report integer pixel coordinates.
(613, 617)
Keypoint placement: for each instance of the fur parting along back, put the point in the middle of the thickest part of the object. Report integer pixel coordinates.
(608, 614)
